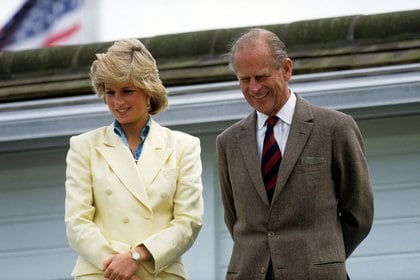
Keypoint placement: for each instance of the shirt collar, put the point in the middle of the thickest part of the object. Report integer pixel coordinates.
(120, 132)
(285, 113)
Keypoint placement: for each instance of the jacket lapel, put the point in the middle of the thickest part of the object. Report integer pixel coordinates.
(120, 160)
(248, 146)
(154, 155)
(299, 133)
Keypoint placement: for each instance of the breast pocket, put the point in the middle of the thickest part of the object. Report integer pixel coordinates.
(163, 188)
(170, 173)
(312, 164)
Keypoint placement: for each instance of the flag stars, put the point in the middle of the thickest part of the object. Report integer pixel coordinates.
(37, 17)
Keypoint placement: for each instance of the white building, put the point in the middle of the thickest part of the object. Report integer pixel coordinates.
(366, 66)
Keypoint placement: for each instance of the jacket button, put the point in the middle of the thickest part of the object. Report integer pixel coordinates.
(125, 220)
(108, 191)
(271, 234)
(262, 270)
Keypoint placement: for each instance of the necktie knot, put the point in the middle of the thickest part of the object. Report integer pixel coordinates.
(271, 121)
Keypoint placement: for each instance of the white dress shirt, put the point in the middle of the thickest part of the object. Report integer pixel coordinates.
(282, 127)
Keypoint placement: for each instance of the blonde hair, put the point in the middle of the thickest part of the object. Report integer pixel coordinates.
(128, 61)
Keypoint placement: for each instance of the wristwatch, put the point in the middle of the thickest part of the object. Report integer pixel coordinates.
(135, 256)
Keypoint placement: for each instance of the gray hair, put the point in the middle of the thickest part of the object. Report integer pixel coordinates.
(254, 38)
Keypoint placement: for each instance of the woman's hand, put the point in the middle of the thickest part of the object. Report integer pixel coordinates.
(120, 267)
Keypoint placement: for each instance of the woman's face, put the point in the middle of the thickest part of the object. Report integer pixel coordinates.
(127, 103)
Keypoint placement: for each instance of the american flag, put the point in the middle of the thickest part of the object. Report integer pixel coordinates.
(43, 23)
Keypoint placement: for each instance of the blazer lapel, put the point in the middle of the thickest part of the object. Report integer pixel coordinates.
(247, 142)
(154, 154)
(117, 155)
(298, 136)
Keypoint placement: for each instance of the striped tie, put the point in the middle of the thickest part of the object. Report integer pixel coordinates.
(271, 158)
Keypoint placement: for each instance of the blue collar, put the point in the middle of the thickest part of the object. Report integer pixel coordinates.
(143, 134)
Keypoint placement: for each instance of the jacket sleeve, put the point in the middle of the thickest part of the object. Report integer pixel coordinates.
(169, 244)
(83, 235)
(352, 183)
(226, 189)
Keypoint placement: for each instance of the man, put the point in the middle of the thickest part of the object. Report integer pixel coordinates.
(295, 187)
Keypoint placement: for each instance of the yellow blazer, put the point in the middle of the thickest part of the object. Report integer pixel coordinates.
(113, 203)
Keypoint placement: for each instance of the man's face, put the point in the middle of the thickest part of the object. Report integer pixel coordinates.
(264, 87)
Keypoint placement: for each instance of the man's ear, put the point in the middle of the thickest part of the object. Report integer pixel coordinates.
(287, 69)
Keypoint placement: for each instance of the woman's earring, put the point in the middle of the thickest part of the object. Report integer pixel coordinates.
(148, 104)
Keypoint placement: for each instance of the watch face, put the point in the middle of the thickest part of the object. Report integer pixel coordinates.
(135, 255)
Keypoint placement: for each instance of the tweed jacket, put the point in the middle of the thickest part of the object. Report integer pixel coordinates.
(322, 207)
(113, 203)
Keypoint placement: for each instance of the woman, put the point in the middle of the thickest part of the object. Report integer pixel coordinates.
(133, 189)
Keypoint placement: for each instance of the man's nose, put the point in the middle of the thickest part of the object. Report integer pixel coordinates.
(254, 86)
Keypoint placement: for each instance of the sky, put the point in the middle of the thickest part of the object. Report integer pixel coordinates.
(118, 19)
(155, 17)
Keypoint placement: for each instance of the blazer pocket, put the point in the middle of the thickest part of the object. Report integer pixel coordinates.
(170, 173)
(312, 164)
(231, 275)
(330, 271)
(84, 267)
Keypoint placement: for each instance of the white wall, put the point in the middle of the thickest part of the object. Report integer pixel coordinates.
(32, 164)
